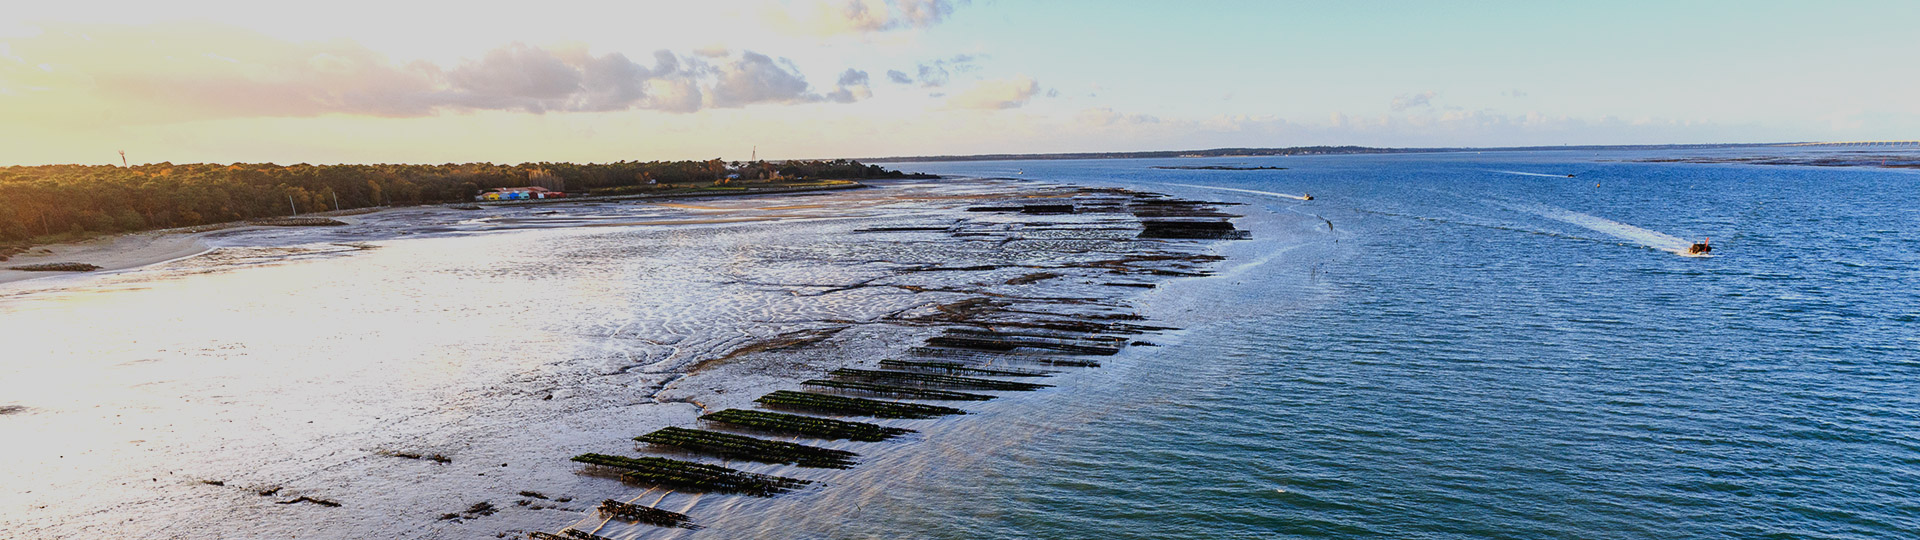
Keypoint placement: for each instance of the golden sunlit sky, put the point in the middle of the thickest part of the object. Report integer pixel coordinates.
(431, 82)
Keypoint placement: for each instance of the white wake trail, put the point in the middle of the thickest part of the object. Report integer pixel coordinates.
(1532, 174)
(1653, 239)
(1255, 192)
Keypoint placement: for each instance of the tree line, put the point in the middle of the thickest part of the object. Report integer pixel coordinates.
(59, 202)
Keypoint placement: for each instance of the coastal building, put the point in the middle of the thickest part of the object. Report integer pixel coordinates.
(519, 194)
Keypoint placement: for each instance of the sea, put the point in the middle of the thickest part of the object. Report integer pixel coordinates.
(1456, 345)
(1483, 345)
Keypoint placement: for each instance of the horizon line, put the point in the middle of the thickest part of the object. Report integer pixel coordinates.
(1233, 151)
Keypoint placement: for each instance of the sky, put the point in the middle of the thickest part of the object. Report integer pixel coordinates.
(404, 81)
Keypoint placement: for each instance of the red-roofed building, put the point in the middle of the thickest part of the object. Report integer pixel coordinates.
(519, 194)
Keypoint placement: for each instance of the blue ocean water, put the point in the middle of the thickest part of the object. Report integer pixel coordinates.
(1473, 345)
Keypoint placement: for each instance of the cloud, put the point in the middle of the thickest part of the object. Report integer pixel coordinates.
(1514, 93)
(757, 78)
(830, 17)
(674, 95)
(851, 87)
(177, 72)
(1407, 101)
(936, 73)
(922, 13)
(521, 77)
(1106, 116)
(997, 94)
(898, 77)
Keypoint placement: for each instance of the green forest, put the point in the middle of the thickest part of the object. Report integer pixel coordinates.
(52, 203)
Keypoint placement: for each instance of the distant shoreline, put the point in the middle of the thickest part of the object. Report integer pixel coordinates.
(126, 251)
(706, 192)
(1290, 151)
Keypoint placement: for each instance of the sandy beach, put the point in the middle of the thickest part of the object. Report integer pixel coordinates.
(111, 253)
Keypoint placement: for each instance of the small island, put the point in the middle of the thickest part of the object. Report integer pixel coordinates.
(1217, 168)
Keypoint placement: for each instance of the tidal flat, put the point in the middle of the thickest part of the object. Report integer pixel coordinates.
(434, 372)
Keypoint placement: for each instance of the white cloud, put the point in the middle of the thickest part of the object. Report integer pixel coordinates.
(851, 87)
(936, 73)
(829, 17)
(997, 94)
(1407, 101)
(757, 78)
(192, 72)
(517, 77)
(1106, 116)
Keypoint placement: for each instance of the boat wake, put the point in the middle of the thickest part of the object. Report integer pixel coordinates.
(1535, 174)
(1648, 238)
(1255, 192)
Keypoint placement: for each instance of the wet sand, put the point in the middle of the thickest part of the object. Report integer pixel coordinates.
(110, 254)
(246, 391)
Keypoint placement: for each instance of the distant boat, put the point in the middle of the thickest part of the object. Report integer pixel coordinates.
(1700, 248)
(1306, 196)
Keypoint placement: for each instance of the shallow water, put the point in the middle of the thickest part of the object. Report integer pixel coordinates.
(1474, 353)
(1435, 347)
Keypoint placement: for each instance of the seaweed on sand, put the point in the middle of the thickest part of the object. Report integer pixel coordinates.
(687, 475)
(1032, 278)
(728, 445)
(902, 391)
(952, 381)
(306, 499)
(823, 428)
(646, 514)
(1004, 343)
(986, 357)
(1041, 209)
(56, 267)
(956, 367)
(566, 534)
(1059, 336)
(832, 404)
(1201, 230)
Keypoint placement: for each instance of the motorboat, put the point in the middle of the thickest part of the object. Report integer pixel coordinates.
(1700, 248)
